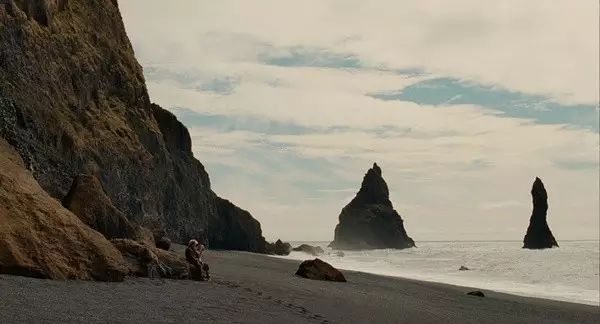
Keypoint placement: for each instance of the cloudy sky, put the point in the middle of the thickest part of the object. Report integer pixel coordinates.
(461, 103)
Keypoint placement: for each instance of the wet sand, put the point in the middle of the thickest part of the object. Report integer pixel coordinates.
(250, 288)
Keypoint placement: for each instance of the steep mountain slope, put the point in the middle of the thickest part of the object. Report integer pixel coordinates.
(73, 99)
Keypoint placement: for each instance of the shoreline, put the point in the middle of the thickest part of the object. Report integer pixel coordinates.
(435, 281)
(253, 288)
(479, 275)
(456, 286)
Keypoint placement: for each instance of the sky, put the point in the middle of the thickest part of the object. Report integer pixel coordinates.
(461, 103)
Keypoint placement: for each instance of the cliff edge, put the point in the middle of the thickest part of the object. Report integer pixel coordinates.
(73, 98)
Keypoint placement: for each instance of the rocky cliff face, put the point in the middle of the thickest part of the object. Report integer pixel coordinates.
(235, 229)
(89, 202)
(538, 234)
(40, 238)
(73, 97)
(369, 221)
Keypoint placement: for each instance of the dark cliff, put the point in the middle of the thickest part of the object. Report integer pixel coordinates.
(538, 234)
(73, 97)
(369, 221)
(235, 229)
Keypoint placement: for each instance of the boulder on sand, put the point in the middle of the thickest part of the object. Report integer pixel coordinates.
(463, 268)
(312, 250)
(318, 269)
(370, 221)
(538, 234)
(145, 261)
(40, 238)
(477, 293)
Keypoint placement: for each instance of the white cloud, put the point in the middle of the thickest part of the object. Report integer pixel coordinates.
(548, 47)
(451, 170)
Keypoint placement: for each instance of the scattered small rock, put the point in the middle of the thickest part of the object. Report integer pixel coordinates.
(318, 269)
(477, 293)
(463, 268)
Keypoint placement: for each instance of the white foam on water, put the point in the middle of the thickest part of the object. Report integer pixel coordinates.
(568, 273)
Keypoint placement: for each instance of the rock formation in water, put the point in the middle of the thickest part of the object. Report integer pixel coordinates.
(369, 221)
(312, 250)
(279, 248)
(40, 238)
(72, 94)
(538, 234)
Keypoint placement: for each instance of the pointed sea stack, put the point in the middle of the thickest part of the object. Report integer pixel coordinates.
(369, 221)
(538, 234)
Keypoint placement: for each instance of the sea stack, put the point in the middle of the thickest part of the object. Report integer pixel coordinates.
(369, 221)
(538, 234)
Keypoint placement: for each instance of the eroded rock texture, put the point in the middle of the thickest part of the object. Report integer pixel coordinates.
(235, 229)
(538, 234)
(72, 94)
(369, 221)
(40, 238)
(146, 261)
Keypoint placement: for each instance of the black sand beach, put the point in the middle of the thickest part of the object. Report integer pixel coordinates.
(250, 288)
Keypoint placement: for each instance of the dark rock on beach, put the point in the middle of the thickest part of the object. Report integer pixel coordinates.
(477, 293)
(40, 238)
(538, 234)
(318, 269)
(72, 94)
(312, 250)
(463, 268)
(369, 221)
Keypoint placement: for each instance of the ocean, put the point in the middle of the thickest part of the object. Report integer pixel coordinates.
(567, 273)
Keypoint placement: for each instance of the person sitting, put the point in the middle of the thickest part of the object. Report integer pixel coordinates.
(205, 269)
(193, 255)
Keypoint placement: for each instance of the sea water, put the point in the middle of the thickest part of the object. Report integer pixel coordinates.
(568, 273)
